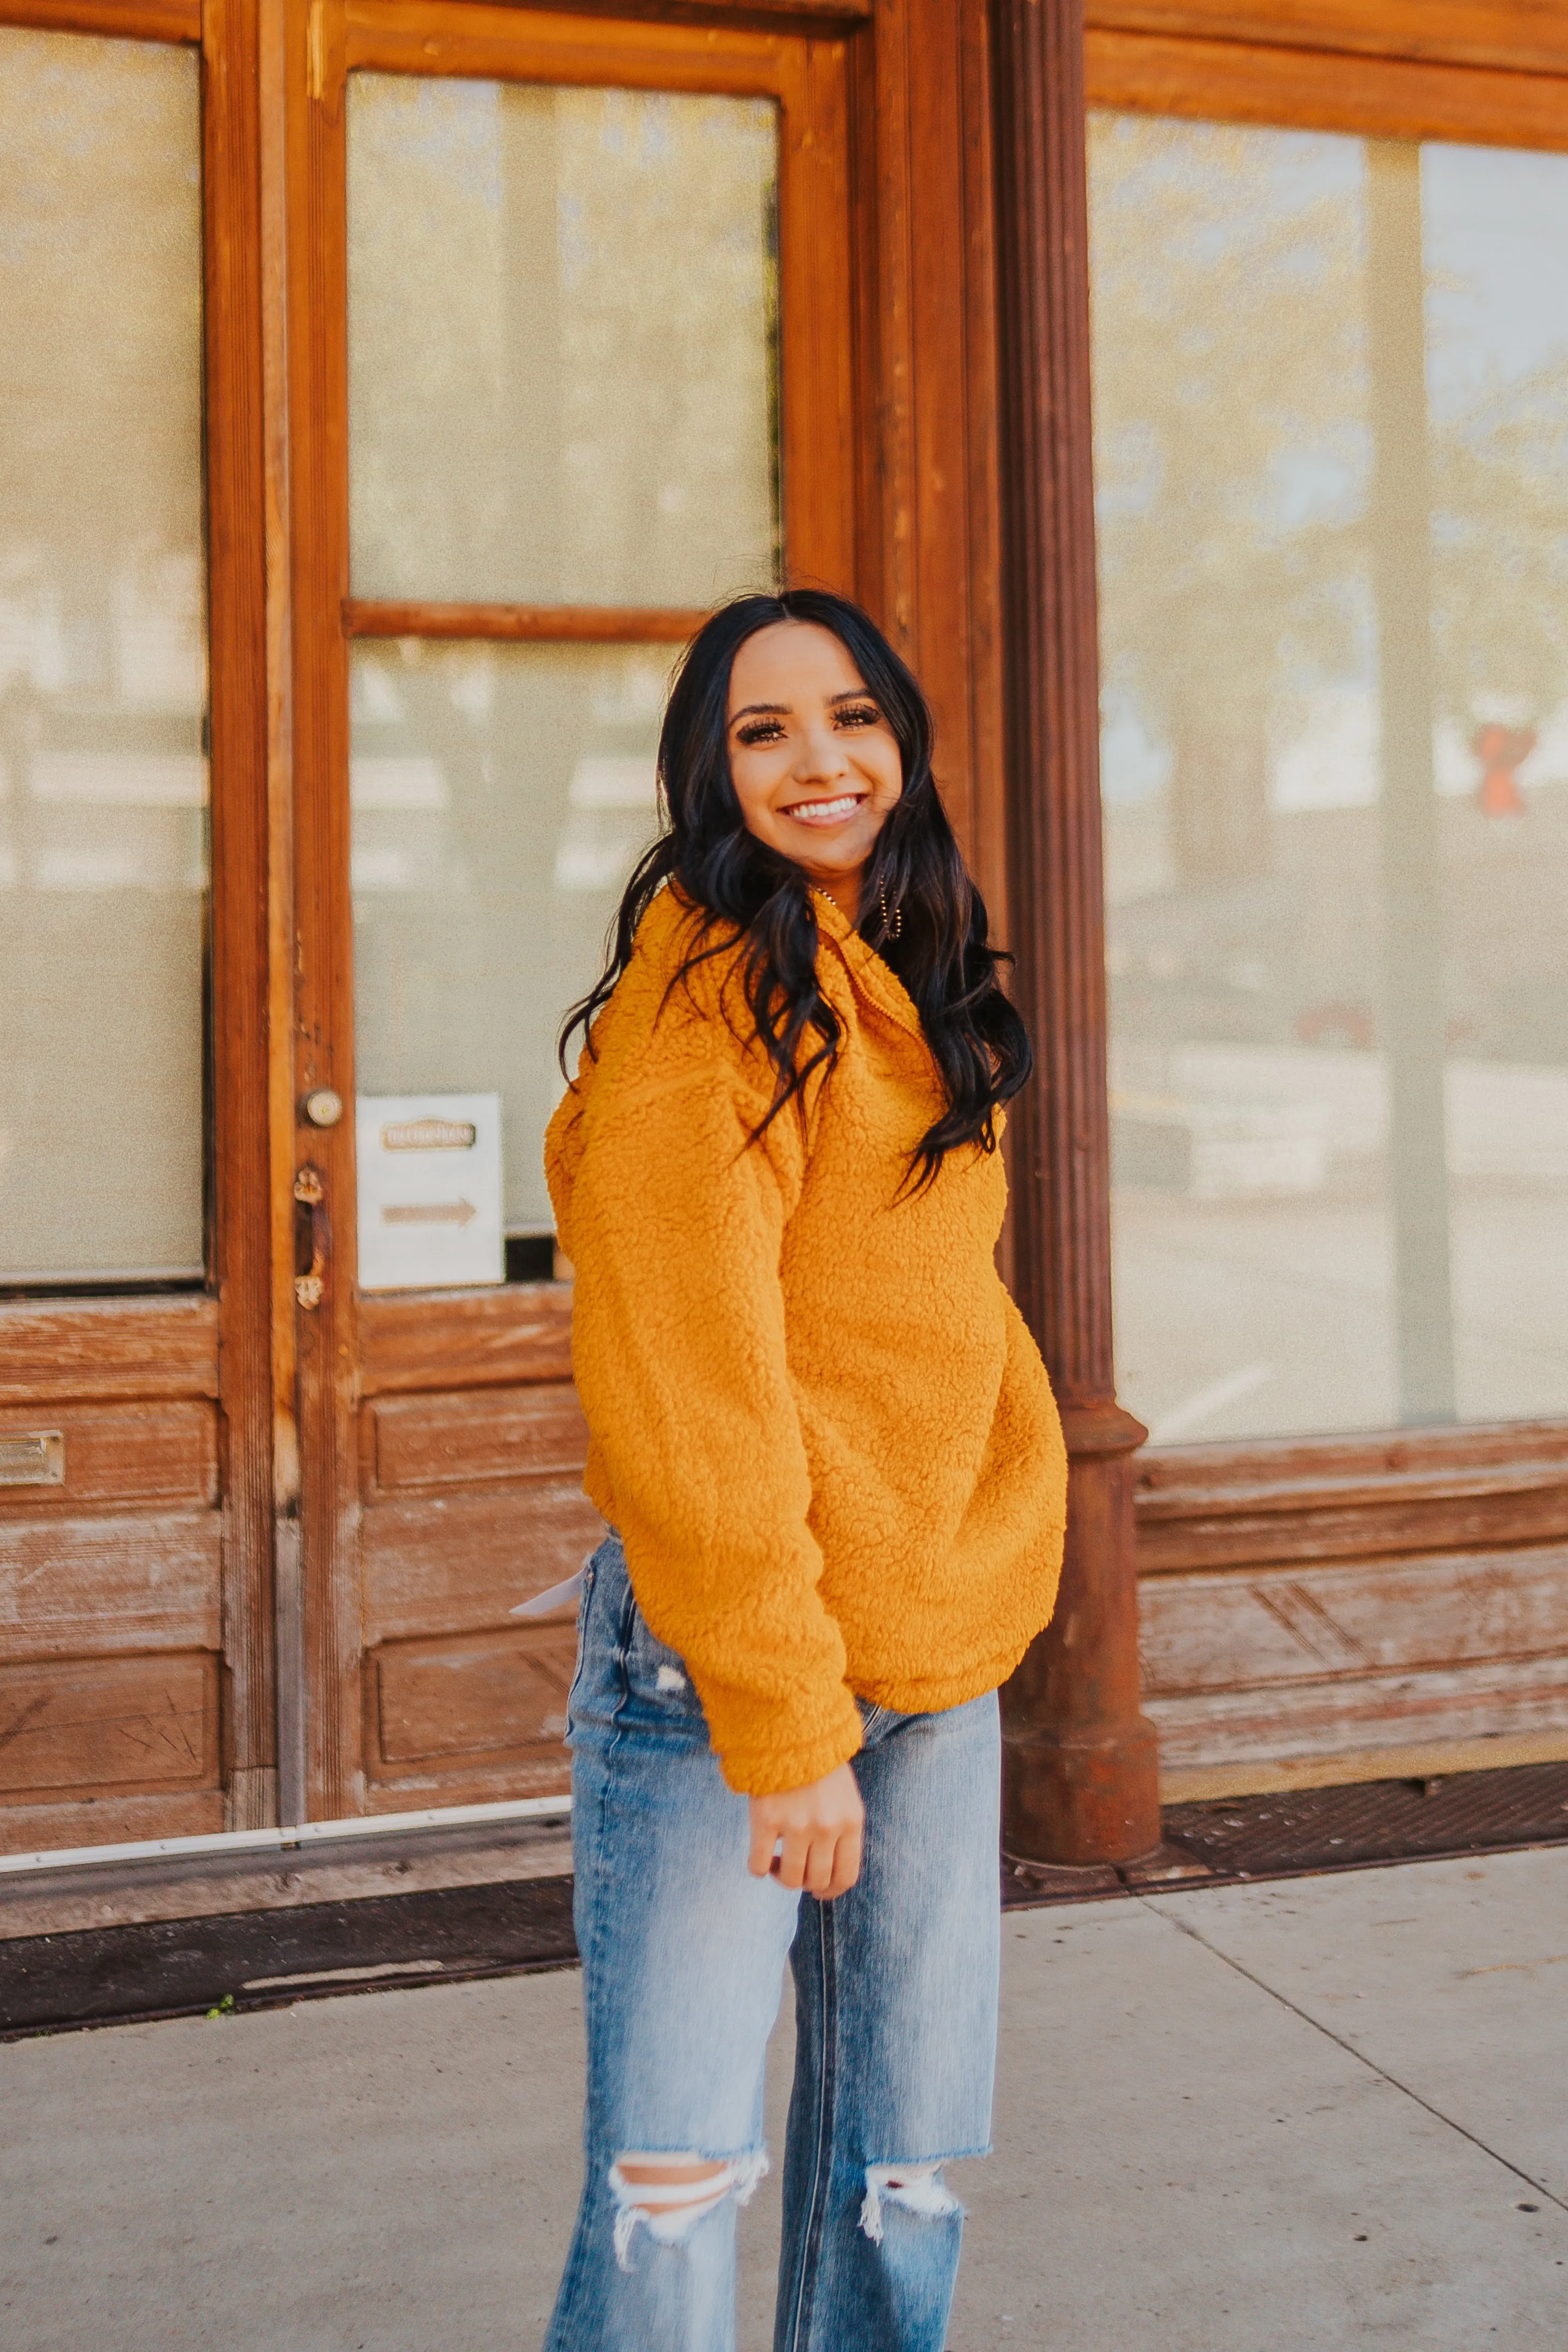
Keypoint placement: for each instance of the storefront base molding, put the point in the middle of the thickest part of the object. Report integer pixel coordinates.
(1433, 1760)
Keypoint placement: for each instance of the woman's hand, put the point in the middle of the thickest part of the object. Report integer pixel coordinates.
(810, 1837)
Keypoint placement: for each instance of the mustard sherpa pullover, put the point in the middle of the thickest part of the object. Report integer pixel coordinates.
(816, 1418)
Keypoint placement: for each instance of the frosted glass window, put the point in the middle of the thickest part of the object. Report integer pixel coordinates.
(562, 308)
(501, 795)
(102, 667)
(1331, 461)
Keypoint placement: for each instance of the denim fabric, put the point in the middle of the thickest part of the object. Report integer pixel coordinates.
(683, 1955)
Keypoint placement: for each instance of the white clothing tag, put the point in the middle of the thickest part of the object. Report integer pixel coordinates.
(557, 1597)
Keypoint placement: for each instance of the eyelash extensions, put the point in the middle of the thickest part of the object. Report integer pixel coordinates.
(768, 730)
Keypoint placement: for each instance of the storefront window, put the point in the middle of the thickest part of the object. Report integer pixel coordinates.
(1331, 459)
(102, 663)
(560, 349)
(563, 397)
(501, 795)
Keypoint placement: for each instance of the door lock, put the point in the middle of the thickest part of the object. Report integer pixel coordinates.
(312, 1237)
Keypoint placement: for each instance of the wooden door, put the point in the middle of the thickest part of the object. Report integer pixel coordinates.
(135, 1657)
(570, 313)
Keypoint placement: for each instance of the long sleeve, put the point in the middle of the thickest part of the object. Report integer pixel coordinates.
(675, 1223)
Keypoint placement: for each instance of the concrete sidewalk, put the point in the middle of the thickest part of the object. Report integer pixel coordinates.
(1320, 2112)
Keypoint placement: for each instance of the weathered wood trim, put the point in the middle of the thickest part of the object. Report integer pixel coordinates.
(325, 1583)
(122, 1584)
(156, 1450)
(458, 1563)
(1353, 1620)
(35, 1827)
(1302, 89)
(468, 1436)
(577, 624)
(79, 1725)
(468, 1700)
(1511, 35)
(56, 1349)
(523, 1772)
(1183, 1784)
(1314, 1728)
(1082, 1779)
(282, 1103)
(538, 44)
(242, 1239)
(924, 329)
(118, 20)
(1324, 1499)
(987, 842)
(472, 1338)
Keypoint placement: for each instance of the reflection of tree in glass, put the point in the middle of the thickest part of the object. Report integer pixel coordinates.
(1499, 484)
(1232, 456)
(561, 356)
(1230, 452)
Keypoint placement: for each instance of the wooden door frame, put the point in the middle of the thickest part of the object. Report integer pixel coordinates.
(213, 1343)
(860, 530)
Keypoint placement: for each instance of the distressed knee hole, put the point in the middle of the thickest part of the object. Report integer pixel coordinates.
(670, 1678)
(668, 2195)
(919, 2187)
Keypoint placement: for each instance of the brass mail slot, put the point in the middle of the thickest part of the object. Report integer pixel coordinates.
(32, 1457)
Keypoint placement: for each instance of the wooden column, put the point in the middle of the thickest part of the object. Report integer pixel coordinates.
(1080, 1772)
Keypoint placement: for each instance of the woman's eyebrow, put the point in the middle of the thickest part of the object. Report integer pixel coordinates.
(764, 710)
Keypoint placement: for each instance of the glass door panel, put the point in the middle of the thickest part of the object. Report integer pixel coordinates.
(1332, 452)
(102, 661)
(561, 362)
(562, 396)
(501, 795)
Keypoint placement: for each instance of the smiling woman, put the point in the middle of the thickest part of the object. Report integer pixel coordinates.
(815, 763)
(835, 716)
(828, 1454)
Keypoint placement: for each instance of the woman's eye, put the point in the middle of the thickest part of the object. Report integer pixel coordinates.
(761, 730)
(859, 714)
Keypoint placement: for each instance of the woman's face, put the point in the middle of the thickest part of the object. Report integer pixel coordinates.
(816, 765)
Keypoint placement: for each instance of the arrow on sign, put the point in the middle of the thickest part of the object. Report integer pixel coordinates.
(430, 1213)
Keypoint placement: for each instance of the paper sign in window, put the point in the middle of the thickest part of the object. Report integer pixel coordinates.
(429, 1192)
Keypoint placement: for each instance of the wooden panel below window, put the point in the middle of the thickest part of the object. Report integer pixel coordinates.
(1215, 1743)
(108, 1348)
(466, 1434)
(444, 1340)
(159, 1450)
(1230, 1632)
(1288, 1675)
(456, 1564)
(498, 1697)
(1433, 1490)
(122, 1819)
(114, 1584)
(107, 1723)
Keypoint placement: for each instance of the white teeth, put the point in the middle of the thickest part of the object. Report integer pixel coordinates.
(823, 812)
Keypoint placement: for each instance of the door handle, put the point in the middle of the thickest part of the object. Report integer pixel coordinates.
(312, 1237)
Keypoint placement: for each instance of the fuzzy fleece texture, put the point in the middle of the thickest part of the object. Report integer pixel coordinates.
(816, 1417)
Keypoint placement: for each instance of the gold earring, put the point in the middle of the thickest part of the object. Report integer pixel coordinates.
(893, 928)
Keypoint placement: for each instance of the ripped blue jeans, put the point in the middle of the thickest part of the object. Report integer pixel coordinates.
(683, 1955)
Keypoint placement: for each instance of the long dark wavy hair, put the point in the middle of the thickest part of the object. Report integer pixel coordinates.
(933, 935)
